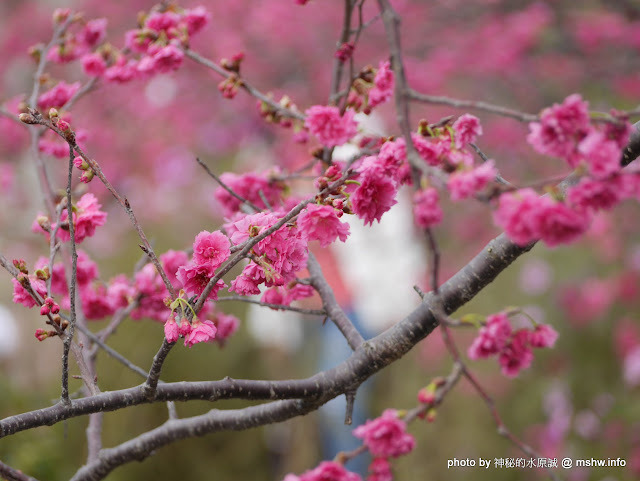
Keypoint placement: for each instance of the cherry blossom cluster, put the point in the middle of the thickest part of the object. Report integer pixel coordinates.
(385, 437)
(254, 187)
(565, 131)
(380, 176)
(158, 41)
(23, 286)
(372, 87)
(146, 291)
(86, 216)
(49, 102)
(275, 259)
(513, 348)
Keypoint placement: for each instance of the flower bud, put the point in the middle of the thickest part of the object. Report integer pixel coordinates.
(27, 119)
(431, 415)
(64, 126)
(21, 265)
(426, 396)
(333, 172)
(87, 176)
(43, 274)
(60, 15)
(23, 280)
(41, 334)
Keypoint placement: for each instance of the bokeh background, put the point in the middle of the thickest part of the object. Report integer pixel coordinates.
(578, 400)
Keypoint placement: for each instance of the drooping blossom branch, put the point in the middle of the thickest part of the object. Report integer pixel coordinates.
(34, 117)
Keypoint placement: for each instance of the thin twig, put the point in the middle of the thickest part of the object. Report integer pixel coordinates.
(472, 104)
(111, 352)
(72, 289)
(12, 474)
(283, 111)
(281, 307)
(42, 61)
(36, 118)
(338, 64)
(226, 187)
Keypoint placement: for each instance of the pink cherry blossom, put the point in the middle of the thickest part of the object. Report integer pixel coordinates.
(463, 184)
(166, 59)
(160, 21)
(601, 155)
(432, 152)
(383, 85)
(137, 40)
(386, 436)
(629, 185)
(492, 337)
(515, 214)
(96, 303)
(22, 296)
(120, 291)
(329, 127)
(184, 328)
(375, 196)
(195, 277)
(273, 295)
(87, 270)
(516, 355)
(201, 331)
(58, 279)
(543, 336)
(593, 195)
(285, 295)
(328, 471)
(380, 470)
(57, 96)
(467, 128)
(426, 208)
(171, 332)
(211, 248)
(86, 218)
(93, 64)
(93, 33)
(149, 286)
(320, 222)
(171, 261)
(297, 291)
(282, 253)
(226, 325)
(556, 223)
(560, 129)
(196, 19)
(247, 186)
(122, 72)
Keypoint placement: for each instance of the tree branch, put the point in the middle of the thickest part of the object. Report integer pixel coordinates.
(331, 306)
